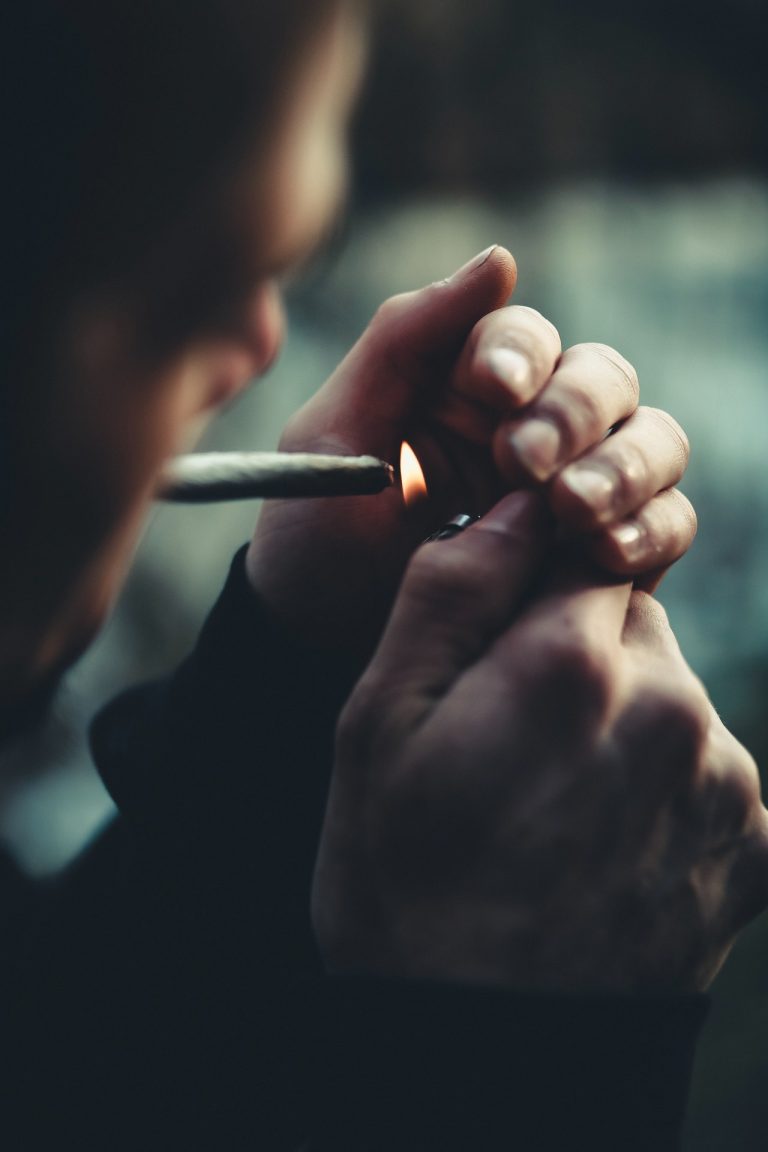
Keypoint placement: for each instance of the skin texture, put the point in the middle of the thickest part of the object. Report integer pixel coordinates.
(534, 792)
(92, 434)
(468, 381)
(475, 828)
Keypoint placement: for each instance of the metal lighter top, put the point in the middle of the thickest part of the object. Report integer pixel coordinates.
(453, 528)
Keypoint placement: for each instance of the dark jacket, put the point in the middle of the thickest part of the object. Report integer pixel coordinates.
(166, 992)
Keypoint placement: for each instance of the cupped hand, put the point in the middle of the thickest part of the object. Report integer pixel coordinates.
(488, 400)
(534, 791)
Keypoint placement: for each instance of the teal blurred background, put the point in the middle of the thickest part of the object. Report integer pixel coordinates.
(622, 158)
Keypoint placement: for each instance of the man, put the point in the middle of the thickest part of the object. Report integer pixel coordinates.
(531, 792)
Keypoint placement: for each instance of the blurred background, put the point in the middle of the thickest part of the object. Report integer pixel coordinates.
(622, 155)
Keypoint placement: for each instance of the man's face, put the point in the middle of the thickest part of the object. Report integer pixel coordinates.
(95, 445)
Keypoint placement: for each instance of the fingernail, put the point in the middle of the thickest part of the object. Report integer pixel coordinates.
(536, 443)
(631, 538)
(475, 263)
(511, 368)
(591, 486)
(453, 528)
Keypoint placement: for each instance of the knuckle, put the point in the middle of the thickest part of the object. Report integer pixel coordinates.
(748, 880)
(575, 410)
(732, 774)
(739, 792)
(627, 372)
(579, 412)
(356, 727)
(673, 430)
(685, 510)
(576, 671)
(726, 801)
(527, 342)
(540, 321)
(758, 845)
(678, 716)
(391, 310)
(632, 470)
(670, 524)
(440, 576)
(645, 609)
(759, 832)
(623, 373)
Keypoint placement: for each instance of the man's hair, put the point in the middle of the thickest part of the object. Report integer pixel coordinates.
(118, 115)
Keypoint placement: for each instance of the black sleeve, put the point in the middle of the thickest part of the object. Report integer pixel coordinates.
(182, 962)
(157, 980)
(421, 1068)
(233, 753)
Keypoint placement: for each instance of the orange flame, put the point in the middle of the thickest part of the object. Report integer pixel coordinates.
(411, 475)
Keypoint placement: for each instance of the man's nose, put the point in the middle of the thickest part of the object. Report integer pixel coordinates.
(248, 344)
(262, 327)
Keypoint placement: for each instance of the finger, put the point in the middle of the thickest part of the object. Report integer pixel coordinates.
(403, 357)
(728, 791)
(666, 682)
(747, 891)
(726, 814)
(592, 388)
(673, 740)
(647, 626)
(581, 598)
(562, 657)
(434, 321)
(658, 660)
(647, 454)
(660, 737)
(694, 788)
(456, 596)
(664, 729)
(726, 764)
(651, 540)
(508, 358)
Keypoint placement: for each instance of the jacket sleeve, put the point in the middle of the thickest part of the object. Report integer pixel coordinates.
(155, 982)
(427, 1067)
(234, 750)
(220, 774)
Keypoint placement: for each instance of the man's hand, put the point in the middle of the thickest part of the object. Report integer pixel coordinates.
(489, 401)
(534, 792)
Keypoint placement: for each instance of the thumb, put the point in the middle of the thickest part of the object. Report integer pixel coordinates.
(457, 597)
(434, 322)
(408, 349)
